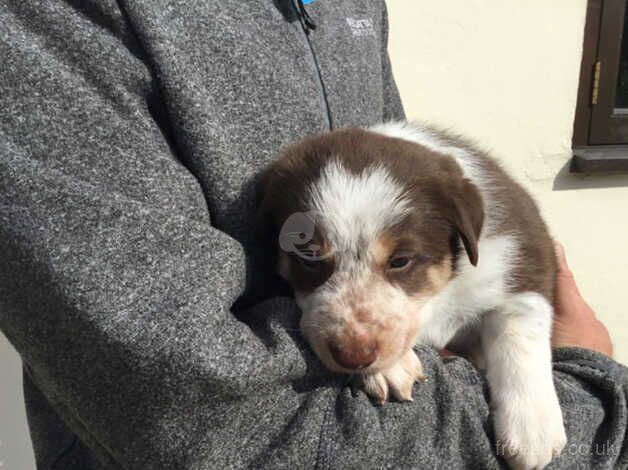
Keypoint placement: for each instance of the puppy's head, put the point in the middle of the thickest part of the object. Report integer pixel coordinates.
(367, 230)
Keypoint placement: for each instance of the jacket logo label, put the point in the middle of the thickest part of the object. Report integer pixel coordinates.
(361, 27)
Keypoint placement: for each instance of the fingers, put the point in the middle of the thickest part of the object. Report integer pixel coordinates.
(561, 258)
(565, 281)
(567, 298)
(568, 301)
(574, 320)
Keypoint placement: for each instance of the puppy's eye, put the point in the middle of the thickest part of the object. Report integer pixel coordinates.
(399, 262)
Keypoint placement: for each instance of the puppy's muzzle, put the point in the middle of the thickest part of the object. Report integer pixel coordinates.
(353, 352)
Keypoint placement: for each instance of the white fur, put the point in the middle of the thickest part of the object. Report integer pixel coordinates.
(356, 207)
(528, 420)
(472, 292)
(396, 380)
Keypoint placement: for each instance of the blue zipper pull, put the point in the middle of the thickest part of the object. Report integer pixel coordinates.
(309, 22)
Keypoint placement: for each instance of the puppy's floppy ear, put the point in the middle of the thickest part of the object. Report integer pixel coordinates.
(467, 216)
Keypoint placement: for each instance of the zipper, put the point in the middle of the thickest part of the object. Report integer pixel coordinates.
(307, 20)
(306, 26)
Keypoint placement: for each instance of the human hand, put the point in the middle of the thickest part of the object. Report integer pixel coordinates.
(575, 323)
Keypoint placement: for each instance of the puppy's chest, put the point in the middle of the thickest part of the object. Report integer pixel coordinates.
(448, 319)
(456, 312)
(457, 330)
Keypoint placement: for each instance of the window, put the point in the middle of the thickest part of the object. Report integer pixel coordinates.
(600, 137)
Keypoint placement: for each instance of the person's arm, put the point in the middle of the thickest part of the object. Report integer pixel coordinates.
(114, 286)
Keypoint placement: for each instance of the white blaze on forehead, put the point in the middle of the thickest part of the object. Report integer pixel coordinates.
(354, 208)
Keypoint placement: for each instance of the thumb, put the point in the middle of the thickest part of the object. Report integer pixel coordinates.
(561, 259)
(567, 292)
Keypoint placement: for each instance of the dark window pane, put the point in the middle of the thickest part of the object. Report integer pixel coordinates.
(621, 97)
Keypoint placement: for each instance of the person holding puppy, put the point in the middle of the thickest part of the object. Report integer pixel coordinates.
(132, 283)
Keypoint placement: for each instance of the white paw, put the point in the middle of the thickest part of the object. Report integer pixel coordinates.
(529, 434)
(397, 381)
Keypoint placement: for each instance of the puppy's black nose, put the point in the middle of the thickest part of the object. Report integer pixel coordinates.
(357, 352)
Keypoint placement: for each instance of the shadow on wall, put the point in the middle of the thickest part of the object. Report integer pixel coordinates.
(565, 180)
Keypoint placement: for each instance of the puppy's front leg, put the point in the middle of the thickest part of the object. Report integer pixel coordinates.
(529, 426)
(396, 380)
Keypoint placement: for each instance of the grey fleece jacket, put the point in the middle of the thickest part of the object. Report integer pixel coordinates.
(131, 280)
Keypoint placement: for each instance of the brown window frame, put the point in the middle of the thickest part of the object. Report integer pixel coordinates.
(600, 137)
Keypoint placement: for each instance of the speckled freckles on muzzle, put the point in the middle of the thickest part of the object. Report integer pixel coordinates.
(359, 322)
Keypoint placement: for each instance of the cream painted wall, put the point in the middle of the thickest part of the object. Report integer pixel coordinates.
(506, 73)
(16, 452)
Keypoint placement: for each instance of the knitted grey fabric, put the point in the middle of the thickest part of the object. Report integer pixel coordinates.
(131, 279)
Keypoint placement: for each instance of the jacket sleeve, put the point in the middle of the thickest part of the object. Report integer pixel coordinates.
(114, 286)
(448, 425)
(593, 393)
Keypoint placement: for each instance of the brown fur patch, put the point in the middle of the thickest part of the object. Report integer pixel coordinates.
(381, 249)
(439, 275)
(537, 268)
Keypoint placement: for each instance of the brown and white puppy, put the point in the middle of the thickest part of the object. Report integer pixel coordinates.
(402, 234)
